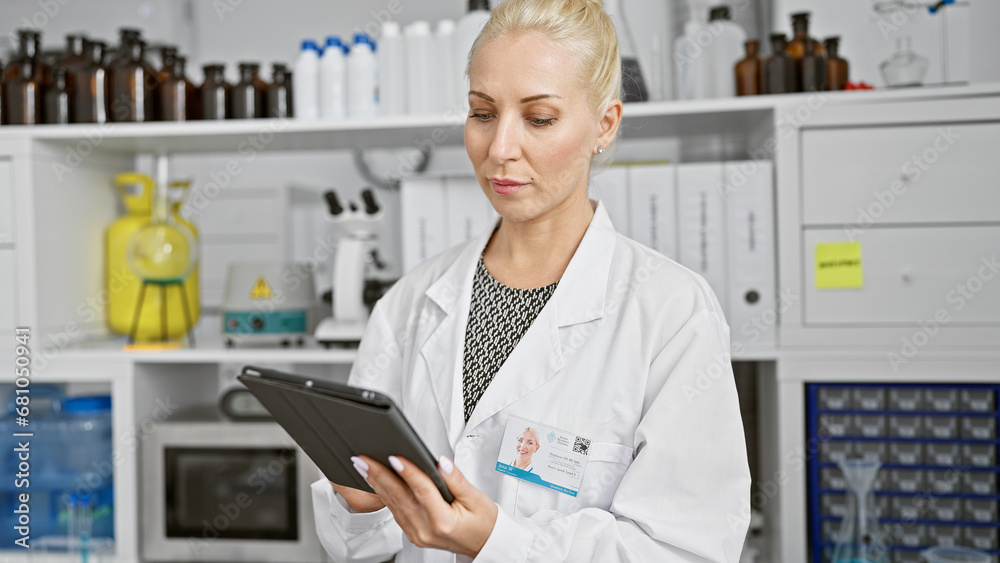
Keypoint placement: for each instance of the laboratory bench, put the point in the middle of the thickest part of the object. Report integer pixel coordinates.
(834, 155)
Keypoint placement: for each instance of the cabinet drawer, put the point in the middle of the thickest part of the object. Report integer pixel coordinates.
(910, 275)
(7, 299)
(891, 175)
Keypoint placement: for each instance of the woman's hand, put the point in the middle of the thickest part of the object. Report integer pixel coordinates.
(359, 501)
(425, 517)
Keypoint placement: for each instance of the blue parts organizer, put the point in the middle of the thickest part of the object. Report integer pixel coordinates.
(938, 446)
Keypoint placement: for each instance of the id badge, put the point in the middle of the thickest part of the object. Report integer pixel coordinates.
(546, 456)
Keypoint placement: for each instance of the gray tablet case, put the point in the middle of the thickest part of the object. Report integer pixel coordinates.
(331, 422)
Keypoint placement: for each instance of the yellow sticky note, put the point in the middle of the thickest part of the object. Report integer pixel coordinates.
(838, 265)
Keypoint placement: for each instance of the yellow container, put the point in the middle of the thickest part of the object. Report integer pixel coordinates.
(123, 284)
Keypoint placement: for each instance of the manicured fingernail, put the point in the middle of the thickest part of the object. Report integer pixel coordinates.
(396, 464)
(446, 465)
(361, 467)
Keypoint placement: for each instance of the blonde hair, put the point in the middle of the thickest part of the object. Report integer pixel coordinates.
(580, 26)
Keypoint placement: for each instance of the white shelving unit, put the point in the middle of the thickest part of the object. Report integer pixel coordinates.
(61, 205)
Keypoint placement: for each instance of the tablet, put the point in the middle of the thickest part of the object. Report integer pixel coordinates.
(331, 422)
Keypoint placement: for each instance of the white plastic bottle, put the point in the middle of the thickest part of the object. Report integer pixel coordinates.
(419, 65)
(305, 81)
(391, 71)
(466, 31)
(444, 55)
(693, 58)
(727, 50)
(333, 80)
(361, 77)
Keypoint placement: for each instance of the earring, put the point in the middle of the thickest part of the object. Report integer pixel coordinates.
(600, 150)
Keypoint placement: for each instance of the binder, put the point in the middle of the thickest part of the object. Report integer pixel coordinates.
(653, 209)
(469, 212)
(611, 187)
(701, 224)
(752, 315)
(424, 228)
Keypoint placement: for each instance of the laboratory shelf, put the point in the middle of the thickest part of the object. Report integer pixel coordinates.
(218, 355)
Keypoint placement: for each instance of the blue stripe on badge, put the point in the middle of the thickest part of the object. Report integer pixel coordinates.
(532, 478)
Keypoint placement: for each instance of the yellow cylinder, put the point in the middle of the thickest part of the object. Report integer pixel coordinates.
(123, 284)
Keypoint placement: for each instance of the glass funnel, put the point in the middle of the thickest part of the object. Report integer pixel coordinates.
(860, 539)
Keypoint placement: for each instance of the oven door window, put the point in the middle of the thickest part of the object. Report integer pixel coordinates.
(231, 493)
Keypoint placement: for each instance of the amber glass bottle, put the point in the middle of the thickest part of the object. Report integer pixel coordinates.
(748, 71)
(249, 95)
(22, 98)
(800, 36)
(811, 71)
(780, 73)
(90, 94)
(214, 95)
(836, 67)
(29, 49)
(279, 92)
(132, 86)
(167, 55)
(56, 98)
(175, 96)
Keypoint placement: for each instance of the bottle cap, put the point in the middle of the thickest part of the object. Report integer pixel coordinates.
(719, 13)
(445, 27)
(333, 41)
(479, 5)
(419, 28)
(390, 29)
(361, 37)
(83, 405)
(309, 44)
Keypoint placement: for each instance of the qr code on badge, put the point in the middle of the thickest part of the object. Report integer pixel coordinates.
(581, 445)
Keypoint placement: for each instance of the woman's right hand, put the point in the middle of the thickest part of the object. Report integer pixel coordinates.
(359, 501)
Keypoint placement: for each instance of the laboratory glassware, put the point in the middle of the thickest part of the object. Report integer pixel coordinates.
(904, 67)
(748, 71)
(800, 37)
(215, 94)
(836, 66)
(780, 72)
(860, 538)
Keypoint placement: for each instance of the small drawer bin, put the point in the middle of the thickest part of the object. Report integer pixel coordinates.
(980, 510)
(831, 478)
(906, 557)
(829, 529)
(835, 451)
(833, 505)
(976, 400)
(979, 455)
(946, 455)
(906, 399)
(944, 536)
(871, 451)
(911, 536)
(870, 426)
(837, 425)
(907, 508)
(979, 428)
(980, 537)
(979, 482)
(941, 427)
(906, 453)
(943, 482)
(904, 480)
(941, 400)
(944, 509)
(835, 398)
(868, 398)
(906, 427)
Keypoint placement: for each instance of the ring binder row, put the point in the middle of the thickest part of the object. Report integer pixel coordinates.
(938, 444)
(715, 218)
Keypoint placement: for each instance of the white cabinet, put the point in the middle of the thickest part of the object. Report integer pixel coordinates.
(6, 202)
(910, 275)
(864, 176)
(7, 300)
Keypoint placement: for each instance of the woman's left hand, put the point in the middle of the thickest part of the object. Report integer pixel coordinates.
(426, 518)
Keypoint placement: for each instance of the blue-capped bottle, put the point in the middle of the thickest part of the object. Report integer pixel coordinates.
(362, 78)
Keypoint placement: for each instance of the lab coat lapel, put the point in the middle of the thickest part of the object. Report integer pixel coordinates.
(445, 314)
(579, 298)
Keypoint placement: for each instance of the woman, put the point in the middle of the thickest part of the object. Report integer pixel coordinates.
(552, 317)
(527, 446)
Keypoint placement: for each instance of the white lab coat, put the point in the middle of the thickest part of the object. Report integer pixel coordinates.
(631, 351)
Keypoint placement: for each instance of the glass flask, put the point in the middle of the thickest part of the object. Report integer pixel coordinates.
(780, 72)
(163, 251)
(748, 72)
(633, 83)
(836, 67)
(860, 538)
(904, 67)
